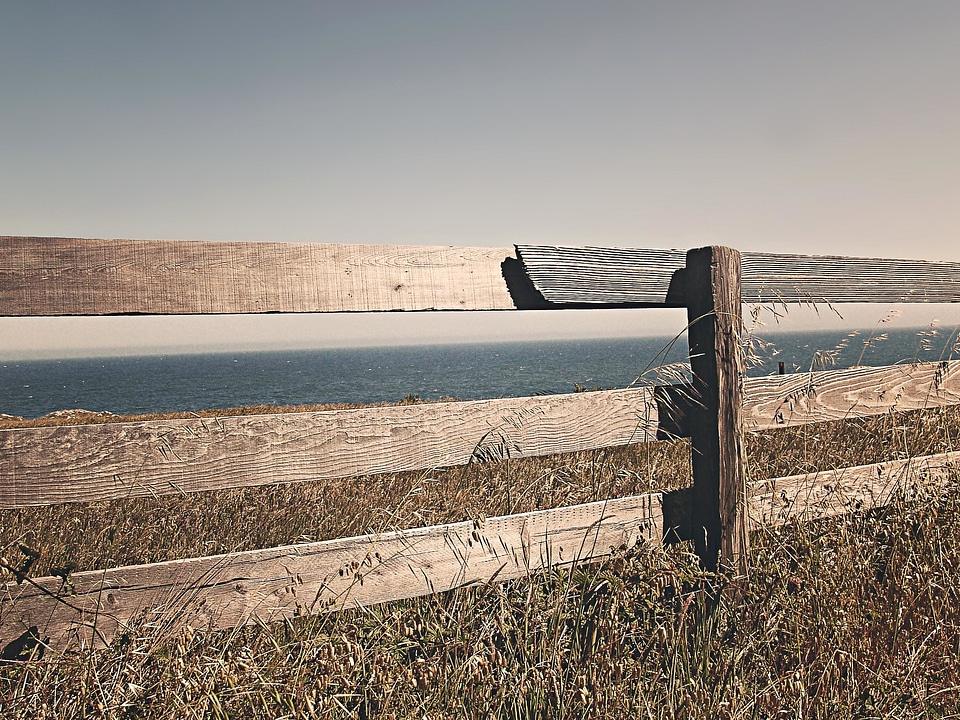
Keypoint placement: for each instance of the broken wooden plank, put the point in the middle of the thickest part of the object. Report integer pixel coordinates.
(71, 276)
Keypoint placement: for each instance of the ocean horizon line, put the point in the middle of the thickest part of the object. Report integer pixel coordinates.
(108, 352)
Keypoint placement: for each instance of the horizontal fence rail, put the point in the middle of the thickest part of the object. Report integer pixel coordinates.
(648, 278)
(825, 395)
(72, 276)
(65, 276)
(227, 590)
(109, 461)
(827, 493)
(78, 463)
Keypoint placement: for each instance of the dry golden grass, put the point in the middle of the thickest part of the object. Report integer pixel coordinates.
(87, 417)
(92, 536)
(854, 617)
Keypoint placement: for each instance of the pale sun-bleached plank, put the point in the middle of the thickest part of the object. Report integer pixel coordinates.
(786, 400)
(229, 590)
(80, 463)
(69, 276)
(844, 490)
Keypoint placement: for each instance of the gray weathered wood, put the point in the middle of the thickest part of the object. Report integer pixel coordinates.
(69, 276)
(604, 276)
(228, 590)
(836, 492)
(50, 465)
(802, 278)
(583, 276)
(65, 276)
(716, 427)
(787, 400)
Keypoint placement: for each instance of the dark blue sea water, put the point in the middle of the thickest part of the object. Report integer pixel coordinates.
(367, 375)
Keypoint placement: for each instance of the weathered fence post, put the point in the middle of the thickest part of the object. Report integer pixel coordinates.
(719, 521)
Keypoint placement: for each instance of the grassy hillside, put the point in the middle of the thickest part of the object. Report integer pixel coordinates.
(854, 617)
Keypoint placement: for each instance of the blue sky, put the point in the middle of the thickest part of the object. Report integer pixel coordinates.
(809, 127)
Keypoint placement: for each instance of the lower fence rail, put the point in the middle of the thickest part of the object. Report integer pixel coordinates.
(225, 591)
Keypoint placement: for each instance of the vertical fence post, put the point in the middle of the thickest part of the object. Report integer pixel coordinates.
(719, 521)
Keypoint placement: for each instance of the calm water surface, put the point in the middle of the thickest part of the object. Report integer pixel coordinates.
(365, 375)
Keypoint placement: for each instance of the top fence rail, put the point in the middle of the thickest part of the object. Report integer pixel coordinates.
(66, 276)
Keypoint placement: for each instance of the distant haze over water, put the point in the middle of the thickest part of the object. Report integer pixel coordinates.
(368, 375)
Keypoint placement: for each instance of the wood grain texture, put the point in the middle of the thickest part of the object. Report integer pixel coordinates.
(786, 400)
(582, 276)
(50, 465)
(228, 590)
(714, 329)
(836, 492)
(66, 276)
(603, 276)
(69, 276)
(804, 278)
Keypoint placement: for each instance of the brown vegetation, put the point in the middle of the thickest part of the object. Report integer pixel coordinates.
(88, 417)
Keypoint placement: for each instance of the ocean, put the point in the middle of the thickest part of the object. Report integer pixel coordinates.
(167, 383)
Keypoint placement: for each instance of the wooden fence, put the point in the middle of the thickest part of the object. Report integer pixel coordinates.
(49, 465)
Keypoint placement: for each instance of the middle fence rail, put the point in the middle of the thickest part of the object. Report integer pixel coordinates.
(115, 460)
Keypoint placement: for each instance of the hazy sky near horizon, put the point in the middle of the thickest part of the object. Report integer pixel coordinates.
(809, 127)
